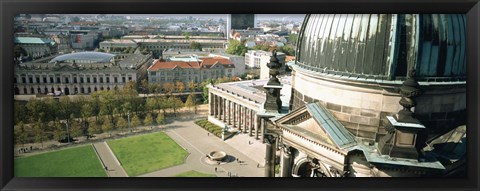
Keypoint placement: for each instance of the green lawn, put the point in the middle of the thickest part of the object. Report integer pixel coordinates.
(193, 173)
(146, 153)
(73, 162)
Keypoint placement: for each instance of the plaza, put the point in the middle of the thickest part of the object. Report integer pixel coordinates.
(198, 143)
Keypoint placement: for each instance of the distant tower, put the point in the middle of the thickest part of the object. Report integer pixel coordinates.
(240, 21)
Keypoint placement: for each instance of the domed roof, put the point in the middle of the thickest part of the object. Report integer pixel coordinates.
(384, 46)
(90, 57)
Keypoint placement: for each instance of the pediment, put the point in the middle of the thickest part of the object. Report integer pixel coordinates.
(315, 122)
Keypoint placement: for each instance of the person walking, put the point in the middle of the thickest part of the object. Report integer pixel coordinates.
(215, 169)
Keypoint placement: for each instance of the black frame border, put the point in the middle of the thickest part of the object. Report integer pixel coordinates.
(9, 8)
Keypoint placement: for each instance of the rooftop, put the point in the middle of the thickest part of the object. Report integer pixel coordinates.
(99, 57)
(252, 90)
(33, 40)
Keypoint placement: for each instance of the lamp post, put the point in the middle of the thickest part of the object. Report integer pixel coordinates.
(128, 117)
(68, 132)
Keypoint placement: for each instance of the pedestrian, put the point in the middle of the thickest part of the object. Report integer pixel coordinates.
(215, 169)
(106, 168)
(31, 148)
(258, 165)
(208, 134)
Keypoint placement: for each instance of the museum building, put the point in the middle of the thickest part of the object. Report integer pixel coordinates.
(79, 73)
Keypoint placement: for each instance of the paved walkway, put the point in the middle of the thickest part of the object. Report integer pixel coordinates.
(198, 143)
(114, 169)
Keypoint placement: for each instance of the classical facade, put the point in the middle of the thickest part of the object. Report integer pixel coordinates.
(237, 104)
(79, 73)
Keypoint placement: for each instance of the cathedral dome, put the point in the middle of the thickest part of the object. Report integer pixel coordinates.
(384, 46)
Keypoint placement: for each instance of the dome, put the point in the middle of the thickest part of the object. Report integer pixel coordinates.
(384, 46)
(84, 57)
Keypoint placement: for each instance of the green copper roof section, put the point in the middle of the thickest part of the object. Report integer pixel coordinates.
(336, 131)
(33, 40)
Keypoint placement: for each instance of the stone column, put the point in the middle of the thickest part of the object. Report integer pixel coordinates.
(286, 162)
(251, 124)
(211, 104)
(224, 110)
(270, 142)
(262, 128)
(239, 116)
(234, 116)
(215, 106)
(257, 126)
(244, 119)
(229, 111)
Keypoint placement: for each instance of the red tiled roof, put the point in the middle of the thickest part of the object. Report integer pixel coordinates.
(210, 61)
(205, 63)
(170, 65)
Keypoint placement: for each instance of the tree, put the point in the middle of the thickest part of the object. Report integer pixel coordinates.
(94, 126)
(288, 50)
(122, 123)
(107, 126)
(179, 86)
(168, 88)
(160, 119)
(144, 85)
(75, 128)
(21, 135)
(136, 121)
(151, 104)
(148, 119)
(236, 47)
(190, 103)
(39, 132)
(196, 46)
(292, 39)
(20, 113)
(107, 103)
(58, 132)
(193, 87)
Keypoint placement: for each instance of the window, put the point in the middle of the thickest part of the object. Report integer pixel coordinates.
(94, 79)
(115, 80)
(24, 80)
(30, 79)
(66, 80)
(51, 80)
(37, 79)
(15, 80)
(58, 80)
(154, 73)
(81, 79)
(88, 79)
(123, 79)
(44, 79)
(108, 81)
(101, 79)
(129, 78)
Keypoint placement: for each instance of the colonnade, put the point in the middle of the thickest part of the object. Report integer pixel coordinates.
(235, 115)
